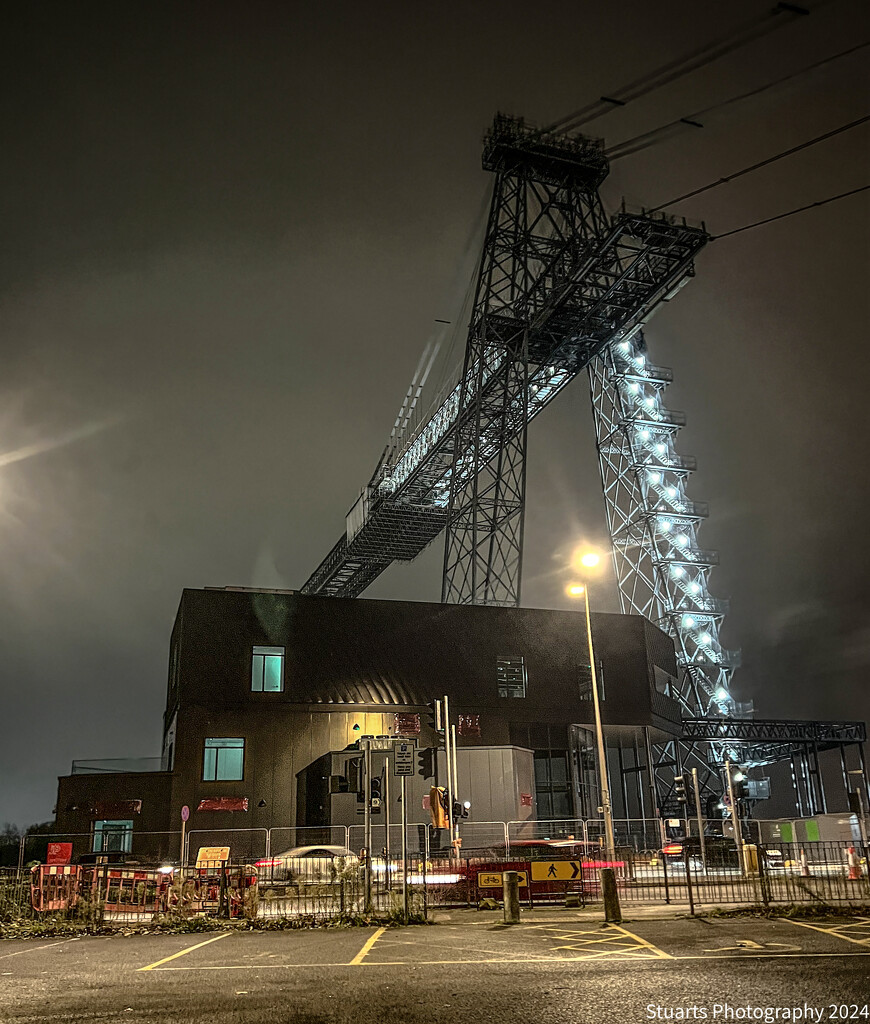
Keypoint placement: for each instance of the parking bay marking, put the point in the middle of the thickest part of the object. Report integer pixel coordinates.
(182, 952)
(34, 949)
(838, 930)
(370, 941)
(784, 947)
(597, 943)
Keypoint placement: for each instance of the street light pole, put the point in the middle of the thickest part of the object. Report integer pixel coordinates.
(599, 736)
(735, 819)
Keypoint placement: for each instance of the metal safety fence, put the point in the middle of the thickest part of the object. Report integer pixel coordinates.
(329, 872)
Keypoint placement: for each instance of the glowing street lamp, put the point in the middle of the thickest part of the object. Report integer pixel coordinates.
(590, 560)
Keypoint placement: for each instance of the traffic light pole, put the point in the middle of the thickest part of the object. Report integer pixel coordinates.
(368, 825)
(405, 915)
(454, 796)
(450, 779)
(387, 865)
(700, 818)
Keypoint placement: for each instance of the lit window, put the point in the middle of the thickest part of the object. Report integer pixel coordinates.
(113, 836)
(511, 675)
(267, 670)
(224, 760)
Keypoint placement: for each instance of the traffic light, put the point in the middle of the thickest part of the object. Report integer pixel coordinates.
(680, 788)
(460, 810)
(375, 793)
(741, 789)
(438, 806)
(426, 762)
(435, 721)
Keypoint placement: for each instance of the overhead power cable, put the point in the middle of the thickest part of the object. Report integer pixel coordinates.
(790, 213)
(693, 120)
(761, 163)
(782, 14)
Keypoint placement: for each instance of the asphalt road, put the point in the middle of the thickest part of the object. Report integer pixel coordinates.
(552, 969)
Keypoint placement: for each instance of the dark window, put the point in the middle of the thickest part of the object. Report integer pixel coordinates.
(510, 671)
(223, 760)
(267, 670)
(584, 676)
(552, 786)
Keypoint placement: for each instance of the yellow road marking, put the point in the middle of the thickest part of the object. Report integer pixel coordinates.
(358, 959)
(33, 949)
(833, 930)
(182, 952)
(501, 960)
(659, 952)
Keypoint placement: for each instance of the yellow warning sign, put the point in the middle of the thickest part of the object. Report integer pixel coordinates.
(555, 870)
(212, 855)
(495, 879)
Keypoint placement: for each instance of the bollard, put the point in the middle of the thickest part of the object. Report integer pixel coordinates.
(511, 889)
(612, 913)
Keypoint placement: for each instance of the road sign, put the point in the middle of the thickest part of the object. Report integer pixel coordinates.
(212, 855)
(185, 813)
(59, 853)
(555, 870)
(403, 758)
(495, 879)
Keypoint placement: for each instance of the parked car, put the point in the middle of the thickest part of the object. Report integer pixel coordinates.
(309, 865)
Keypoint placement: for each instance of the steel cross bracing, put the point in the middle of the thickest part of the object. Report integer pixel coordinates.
(559, 281)
(661, 570)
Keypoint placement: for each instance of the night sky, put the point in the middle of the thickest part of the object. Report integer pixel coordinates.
(227, 231)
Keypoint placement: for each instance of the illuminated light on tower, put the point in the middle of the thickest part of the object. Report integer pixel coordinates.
(661, 571)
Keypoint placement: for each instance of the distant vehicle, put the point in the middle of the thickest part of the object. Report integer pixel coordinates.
(530, 849)
(309, 865)
(554, 849)
(721, 851)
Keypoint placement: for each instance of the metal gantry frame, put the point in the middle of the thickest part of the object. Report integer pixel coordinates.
(559, 280)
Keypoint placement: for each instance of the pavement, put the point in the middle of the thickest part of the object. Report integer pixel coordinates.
(556, 966)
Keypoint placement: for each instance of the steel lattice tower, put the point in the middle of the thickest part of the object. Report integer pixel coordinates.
(661, 571)
(544, 221)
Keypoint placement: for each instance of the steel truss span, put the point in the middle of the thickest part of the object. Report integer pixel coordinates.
(560, 282)
(769, 732)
